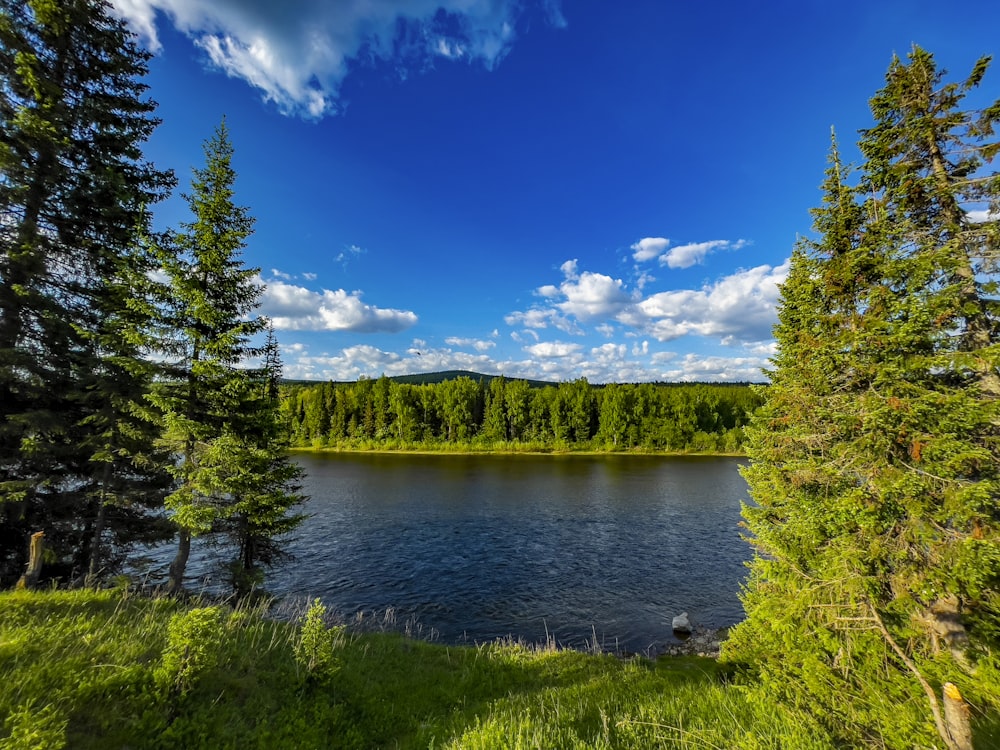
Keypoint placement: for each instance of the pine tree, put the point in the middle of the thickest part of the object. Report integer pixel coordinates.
(874, 463)
(73, 201)
(209, 326)
(250, 468)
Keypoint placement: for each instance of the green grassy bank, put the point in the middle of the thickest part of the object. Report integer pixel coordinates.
(84, 669)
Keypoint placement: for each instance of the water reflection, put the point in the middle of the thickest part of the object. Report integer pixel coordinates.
(480, 547)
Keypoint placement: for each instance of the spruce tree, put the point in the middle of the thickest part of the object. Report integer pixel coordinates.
(209, 327)
(874, 462)
(73, 201)
(248, 467)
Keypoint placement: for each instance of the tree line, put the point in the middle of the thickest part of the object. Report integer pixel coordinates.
(138, 385)
(499, 412)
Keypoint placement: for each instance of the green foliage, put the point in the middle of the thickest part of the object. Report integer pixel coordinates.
(92, 657)
(193, 644)
(221, 419)
(317, 644)
(875, 461)
(35, 728)
(76, 451)
(513, 415)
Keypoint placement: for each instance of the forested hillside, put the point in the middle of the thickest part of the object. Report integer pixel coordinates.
(388, 413)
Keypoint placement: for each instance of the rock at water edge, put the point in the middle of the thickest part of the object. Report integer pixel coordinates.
(681, 623)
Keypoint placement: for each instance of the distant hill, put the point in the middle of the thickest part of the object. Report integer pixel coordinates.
(430, 378)
(424, 378)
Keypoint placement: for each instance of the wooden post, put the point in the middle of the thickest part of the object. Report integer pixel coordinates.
(956, 716)
(30, 578)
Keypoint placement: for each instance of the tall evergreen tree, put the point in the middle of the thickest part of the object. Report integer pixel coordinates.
(248, 467)
(875, 464)
(209, 324)
(73, 199)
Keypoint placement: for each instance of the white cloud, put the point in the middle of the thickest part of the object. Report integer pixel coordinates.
(539, 317)
(553, 361)
(648, 248)
(296, 308)
(569, 268)
(608, 353)
(352, 251)
(585, 296)
(681, 256)
(741, 305)
(979, 216)
(737, 308)
(593, 295)
(310, 276)
(685, 256)
(718, 369)
(590, 296)
(478, 344)
(552, 350)
(369, 361)
(298, 52)
(766, 349)
(644, 279)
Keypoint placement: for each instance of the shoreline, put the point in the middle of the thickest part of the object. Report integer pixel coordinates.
(473, 451)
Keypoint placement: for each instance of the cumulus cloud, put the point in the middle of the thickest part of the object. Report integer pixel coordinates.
(364, 360)
(585, 296)
(553, 361)
(737, 308)
(590, 296)
(552, 350)
(538, 317)
(680, 256)
(298, 52)
(648, 248)
(693, 367)
(478, 344)
(296, 308)
(741, 305)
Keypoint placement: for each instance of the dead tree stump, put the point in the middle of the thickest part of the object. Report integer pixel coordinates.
(956, 717)
(30, 578)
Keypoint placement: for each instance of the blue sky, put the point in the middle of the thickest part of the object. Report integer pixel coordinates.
(533, 188)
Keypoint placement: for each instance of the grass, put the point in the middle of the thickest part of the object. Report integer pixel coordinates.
(85, 669)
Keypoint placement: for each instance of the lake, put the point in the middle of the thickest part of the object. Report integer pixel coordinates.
(480, 547)
(476, 547)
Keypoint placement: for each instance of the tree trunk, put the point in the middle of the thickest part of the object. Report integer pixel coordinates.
(30, 578)
(179, 564)
(95, 543)
(956, 717)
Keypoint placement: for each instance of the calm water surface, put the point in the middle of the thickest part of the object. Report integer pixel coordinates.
(481, 547)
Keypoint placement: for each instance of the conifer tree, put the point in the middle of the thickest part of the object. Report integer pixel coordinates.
(874, 463)
(73, 200)
(249, 469)
(209, 324)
